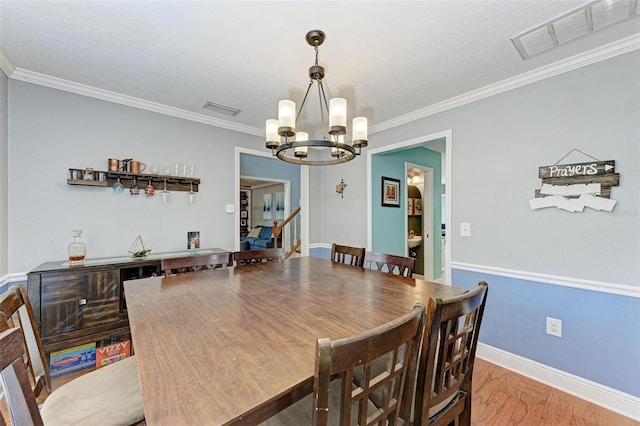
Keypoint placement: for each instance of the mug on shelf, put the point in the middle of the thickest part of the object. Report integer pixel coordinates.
(114, 165)
(137, 167)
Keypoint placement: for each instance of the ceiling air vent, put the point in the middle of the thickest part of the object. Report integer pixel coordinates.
(591, 17)
(220, 109)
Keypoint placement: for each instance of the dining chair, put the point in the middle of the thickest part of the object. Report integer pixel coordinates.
(339, 401)
(194, 263)
(353, 256)
(247, 257)
(390, 263)
(443, 393)
(109, 395)
(23, 407)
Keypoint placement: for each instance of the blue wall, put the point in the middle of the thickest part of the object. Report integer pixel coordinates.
(599, 330)
(389, 234)
(251, 165)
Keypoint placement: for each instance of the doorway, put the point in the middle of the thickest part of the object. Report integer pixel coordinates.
(440, 142)
(270, 169)
(420, 205)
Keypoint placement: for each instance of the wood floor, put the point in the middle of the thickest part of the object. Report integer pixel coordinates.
(502, 397)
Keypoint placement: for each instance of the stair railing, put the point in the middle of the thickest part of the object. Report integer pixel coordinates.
(294, 243)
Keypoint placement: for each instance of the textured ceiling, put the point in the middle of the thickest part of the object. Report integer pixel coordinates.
(388, 59)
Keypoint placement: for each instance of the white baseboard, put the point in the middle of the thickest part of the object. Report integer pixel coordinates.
(606, 397)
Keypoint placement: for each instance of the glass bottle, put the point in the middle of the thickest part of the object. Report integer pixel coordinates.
(77, 249)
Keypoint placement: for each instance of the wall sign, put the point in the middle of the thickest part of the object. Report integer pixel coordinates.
(572, 187)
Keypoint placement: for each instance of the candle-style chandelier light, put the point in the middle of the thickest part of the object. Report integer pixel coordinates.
(293, 146)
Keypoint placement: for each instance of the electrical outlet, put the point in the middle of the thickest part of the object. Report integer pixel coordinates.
(554, 327)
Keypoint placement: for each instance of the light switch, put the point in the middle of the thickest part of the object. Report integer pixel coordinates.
(229, 208)
(465, 229)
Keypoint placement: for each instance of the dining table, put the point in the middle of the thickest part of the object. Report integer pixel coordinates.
(237, 345)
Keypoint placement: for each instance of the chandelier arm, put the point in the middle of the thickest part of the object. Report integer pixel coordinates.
(304, 100)
(320, 97)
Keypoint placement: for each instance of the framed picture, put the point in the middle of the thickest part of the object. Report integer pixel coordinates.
(243, 214)
(410, 206)
(193, 240)
(417, 207)
(390, 192)
(267, 206)
(279, 205)
(243, 222)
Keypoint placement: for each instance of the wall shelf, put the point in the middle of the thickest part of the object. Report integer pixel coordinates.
(174, 183)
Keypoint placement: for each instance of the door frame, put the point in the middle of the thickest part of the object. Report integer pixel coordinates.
(426, 218)
(414, 142)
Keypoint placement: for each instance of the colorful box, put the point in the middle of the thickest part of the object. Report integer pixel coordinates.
(72, 359)
(108, 354)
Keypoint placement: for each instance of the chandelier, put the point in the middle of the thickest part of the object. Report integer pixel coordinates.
(293, 146)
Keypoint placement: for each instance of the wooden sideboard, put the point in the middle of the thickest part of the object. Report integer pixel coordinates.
(79, 304)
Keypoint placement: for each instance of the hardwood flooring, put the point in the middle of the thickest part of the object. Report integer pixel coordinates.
(502, 397)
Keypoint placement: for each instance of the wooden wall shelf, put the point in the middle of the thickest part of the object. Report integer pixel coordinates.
(174, 183)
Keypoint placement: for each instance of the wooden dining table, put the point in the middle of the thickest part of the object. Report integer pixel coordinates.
(235, 346)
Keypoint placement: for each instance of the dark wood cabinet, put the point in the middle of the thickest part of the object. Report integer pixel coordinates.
(79, 304)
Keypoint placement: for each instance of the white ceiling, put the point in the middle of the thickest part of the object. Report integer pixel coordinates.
(388, 58)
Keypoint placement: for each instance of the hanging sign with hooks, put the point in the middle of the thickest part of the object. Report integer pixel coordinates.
(572, 187)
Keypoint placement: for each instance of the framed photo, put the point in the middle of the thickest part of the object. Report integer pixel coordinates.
(390, 192)
(193, 240)
(267, 206)
(410, 206)
(243, 222)
(279, 205)
(417, 207)
(243, 214)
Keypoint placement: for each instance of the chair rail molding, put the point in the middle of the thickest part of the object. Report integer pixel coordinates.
(590, 285)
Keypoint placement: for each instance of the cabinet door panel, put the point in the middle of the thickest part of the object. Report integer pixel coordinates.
(103, 297)
(60, 304)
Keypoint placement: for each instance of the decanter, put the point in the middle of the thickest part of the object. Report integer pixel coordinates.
(77, 249)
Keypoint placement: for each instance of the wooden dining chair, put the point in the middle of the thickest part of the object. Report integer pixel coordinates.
(109, 395)
(23, 407)
(194, 263)
(443, 393)
(247, 257)
(353, 256)
(339, 401)
(390, 263)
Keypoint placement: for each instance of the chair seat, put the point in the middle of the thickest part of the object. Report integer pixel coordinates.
(117, 401)
(301, 413)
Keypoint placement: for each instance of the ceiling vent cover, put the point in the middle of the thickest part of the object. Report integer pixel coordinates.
(221, 109)
(591, 17)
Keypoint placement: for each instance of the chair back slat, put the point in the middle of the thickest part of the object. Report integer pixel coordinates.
(446, 362)
(390, 263)
(353, 256)
(16, 311)
(194, 263)
(247, 257)
(21, 401)
(398, 342)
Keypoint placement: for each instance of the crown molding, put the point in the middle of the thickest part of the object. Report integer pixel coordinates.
(602, 53)
(6, 65)
(106, 95)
